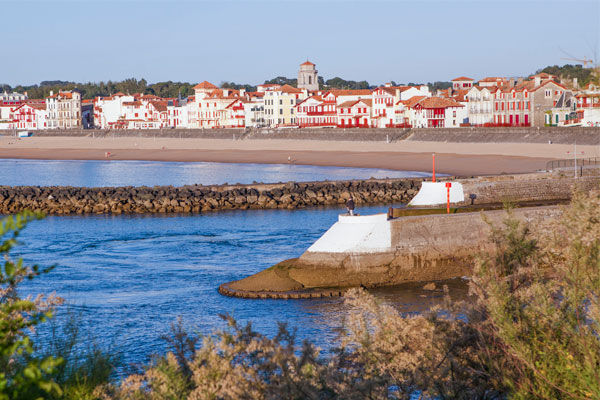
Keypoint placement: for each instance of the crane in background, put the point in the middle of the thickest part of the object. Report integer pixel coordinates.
(584, 61)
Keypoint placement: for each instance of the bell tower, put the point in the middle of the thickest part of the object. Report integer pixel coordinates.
(308, 77)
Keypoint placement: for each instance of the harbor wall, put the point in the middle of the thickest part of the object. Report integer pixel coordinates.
(561, 135)
(198, 198)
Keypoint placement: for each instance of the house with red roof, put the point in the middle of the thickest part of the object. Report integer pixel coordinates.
(355, 114)
(438, 112)
(317, 111)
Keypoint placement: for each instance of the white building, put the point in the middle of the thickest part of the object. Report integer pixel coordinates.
(64, 110)
(29, 116)
(8, 102)
(254, 110)
(480, 108)
(108, 110)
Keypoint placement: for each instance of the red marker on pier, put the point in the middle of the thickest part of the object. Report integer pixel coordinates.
(448, 186)
(433, 157)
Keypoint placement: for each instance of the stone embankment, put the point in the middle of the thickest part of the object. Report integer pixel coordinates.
(562, 135)
(197, 198)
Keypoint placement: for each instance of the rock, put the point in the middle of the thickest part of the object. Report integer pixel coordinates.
(430, 286)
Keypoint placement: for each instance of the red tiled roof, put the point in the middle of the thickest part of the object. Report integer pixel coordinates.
(350, 92)
(205, 85)
(37, 106)
(439, 102)
(462, 78)
(351, 103)
(159, 105)
(492, 79)
(266, 85)
(307, 63)
(289, 89)
(412, 101)
(66, 95)
(132, 103)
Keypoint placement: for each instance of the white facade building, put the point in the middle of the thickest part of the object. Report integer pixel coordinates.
(64, 110)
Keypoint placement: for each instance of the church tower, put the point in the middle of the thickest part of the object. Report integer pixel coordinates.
(308, 77)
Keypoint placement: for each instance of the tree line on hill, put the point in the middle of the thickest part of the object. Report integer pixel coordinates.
(90, 90)
(172, 89)
(569, 71)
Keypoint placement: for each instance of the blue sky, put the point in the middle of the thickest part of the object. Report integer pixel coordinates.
(251, 41)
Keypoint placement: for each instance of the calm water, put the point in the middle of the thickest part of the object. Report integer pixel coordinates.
(130, 277)
(151, 173)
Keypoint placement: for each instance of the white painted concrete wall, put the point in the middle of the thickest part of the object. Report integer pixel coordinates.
(356, 234)
(435, 193)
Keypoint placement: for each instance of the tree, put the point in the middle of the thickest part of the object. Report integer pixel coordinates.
(22, 376)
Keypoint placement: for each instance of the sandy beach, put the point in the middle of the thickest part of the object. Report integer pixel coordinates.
(451, 158)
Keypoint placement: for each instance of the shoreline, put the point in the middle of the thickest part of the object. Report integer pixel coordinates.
(464, 159)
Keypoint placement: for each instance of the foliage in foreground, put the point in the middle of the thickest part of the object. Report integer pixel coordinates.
(28, 370)
(530, 330)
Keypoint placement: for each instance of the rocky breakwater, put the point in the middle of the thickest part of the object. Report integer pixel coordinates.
(372, 251)
(198, 198)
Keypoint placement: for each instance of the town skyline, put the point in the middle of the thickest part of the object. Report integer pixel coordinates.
(248, 42)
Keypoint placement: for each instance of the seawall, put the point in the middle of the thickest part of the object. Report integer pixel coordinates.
(560, 135)
(198, 198)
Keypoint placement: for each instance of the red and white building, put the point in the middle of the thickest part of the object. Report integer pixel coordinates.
(462, 83)
(235, 116)
(214, 109)
(355, 114)
(317, 111)
(109, 109)
(387, 97)
(438, 112)
(29, 116)
(588, 105)
(8, 103)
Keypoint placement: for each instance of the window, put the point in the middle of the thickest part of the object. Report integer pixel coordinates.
(280, 102)
(548, 93)
(281, 111)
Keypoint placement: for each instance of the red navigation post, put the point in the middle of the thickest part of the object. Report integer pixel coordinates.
(433, 157)
(448, 186)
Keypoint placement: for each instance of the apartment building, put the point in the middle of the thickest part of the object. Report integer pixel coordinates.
(63, 110)
(480, 105)
(280, 105)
